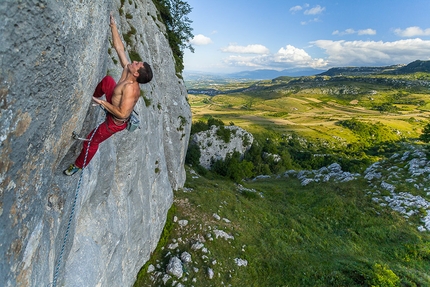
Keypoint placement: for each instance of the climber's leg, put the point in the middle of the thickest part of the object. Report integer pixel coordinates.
(105, 87)
(104, 131)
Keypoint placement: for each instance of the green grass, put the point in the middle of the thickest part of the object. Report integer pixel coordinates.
(319, 235)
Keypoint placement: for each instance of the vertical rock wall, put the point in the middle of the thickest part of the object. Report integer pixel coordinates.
(52, 55)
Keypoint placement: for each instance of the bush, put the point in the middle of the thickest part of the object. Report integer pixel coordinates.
(198, 126)
(384, 277)
(224, 134)
(201, 125)
(215, 122)
(425, 136)
(233, 168)
(193, 155)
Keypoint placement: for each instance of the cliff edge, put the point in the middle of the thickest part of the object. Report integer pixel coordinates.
(52, 55)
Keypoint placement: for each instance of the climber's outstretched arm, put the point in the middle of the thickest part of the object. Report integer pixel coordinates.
(117, 43)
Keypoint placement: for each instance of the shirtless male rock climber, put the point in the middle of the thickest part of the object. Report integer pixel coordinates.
(120, 100)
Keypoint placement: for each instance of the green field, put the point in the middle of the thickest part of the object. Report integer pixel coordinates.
(314, 111)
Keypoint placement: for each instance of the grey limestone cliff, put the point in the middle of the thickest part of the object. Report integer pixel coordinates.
(52, 55)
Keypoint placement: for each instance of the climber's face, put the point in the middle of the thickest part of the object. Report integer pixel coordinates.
(134, 66)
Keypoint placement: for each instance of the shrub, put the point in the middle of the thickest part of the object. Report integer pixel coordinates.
(425, 136)
(224, 134)
(193, 155)
(384, 277)
(198, 126)
(201, 125)
(233, 168)
(215, 122)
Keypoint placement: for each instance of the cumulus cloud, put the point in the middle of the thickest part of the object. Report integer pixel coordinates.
(412, 32)
(200, 40)
(286, 57)
(352, 31)
(296, 56)
(315, 10)
(250, 49)
(341, 53)
(291, 54)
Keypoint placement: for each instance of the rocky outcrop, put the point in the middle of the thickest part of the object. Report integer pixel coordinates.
(52, 55)
(213, 147)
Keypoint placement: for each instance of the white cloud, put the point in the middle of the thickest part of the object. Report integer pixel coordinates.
(250, 49)
(287, 57)
(310, 21)
(352, 31)
(295, 9)
(412, 32)
(291, 54)
(358, 53)
(296, 56)
(315, 10)
(200, 40)
(367, 32)
(245, 61)
(339, 53)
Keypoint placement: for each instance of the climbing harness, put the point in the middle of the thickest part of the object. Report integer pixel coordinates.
(72, 212)
(133, 121)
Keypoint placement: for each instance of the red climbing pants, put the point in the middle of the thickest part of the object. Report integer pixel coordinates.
(106, 129)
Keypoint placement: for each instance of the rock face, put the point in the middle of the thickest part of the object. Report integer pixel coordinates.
(52, 55)
(212, 147)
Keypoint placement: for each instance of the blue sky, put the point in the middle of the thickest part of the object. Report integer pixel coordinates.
(239, 35)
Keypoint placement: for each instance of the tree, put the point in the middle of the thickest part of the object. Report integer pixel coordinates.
(180, 23)
(193, 155)
(174, 15)
(425, 136)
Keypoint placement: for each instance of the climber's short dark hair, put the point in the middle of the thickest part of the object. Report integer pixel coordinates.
(145, 74)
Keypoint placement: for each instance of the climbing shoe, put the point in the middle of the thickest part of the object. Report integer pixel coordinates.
(71, 170)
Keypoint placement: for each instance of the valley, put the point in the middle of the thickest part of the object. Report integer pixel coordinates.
(347, 205)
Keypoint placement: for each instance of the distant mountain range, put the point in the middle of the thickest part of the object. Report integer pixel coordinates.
(401, 69)
(266, 74)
